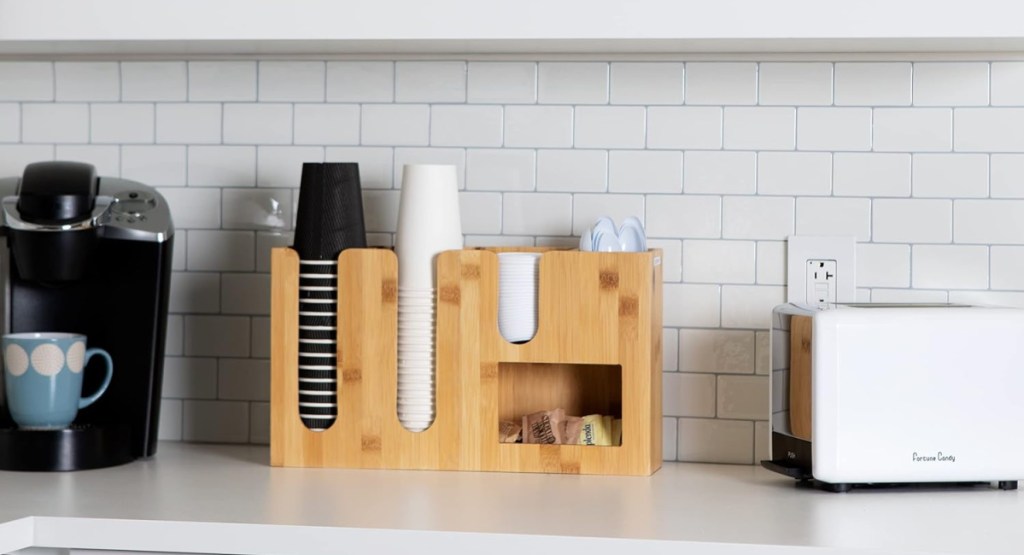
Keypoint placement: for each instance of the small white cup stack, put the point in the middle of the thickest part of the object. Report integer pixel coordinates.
(518, 274)
(428, 224)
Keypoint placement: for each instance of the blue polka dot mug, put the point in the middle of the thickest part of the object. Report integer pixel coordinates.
(43, 378)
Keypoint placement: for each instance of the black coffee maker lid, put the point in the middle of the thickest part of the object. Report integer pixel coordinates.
(56, 193)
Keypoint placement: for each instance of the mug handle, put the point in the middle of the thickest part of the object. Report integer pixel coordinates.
(86, 401)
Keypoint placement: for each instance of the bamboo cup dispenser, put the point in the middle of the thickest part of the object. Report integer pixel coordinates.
(597, 350)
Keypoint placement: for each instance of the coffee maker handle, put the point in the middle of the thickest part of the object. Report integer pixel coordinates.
(86, 401)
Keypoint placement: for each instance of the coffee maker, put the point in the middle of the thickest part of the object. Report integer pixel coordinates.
(90, 255)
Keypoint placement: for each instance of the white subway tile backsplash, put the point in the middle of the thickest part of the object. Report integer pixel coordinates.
(721, 83)
(795, 84)
(502, 83)
(194, 293)
(251, 208)
(668, 438)
(758, 128)
(908, 296)
(586, 209)
(537, 214)
(217, 336)
(242, 379)
(834, 129)
(687, 216)
(375, 164)
(26, 81)
(949, 267)
(572, 170)
(834, 216)
(1006, 173)
(762, 360)
(466, 126)
(684, 127)
(883, 265)
(193, 208)
(913, 129)
(122, 123)
(360, 81)
(87, 81)
(188, 123)
(395, 125)
(873, 84)
(716, 441)
(245, 294)
(154, 81)
(14, 158)
(719, 172)
(871, 175)
(260, 337)
(480, 213)
(55, 123)
(688, 394)
(430, 82)
(473, 241)
(991, 222)
(538, 126)
(647, 83)
(794, 173)
(1007, 267)
(609, 127)
(326, 124)
(642, 171)
(259, 423)
(221, 251)
(710, 261)
(265, 242)
(951, 84)
(179, 256)
(716, 351)
(743, 397)
(671, 258)
(670, 350)
(222, 81)
(10, 122)
(291, 81)
(190, 378)
(750, 306)
(572, 83)
(691, 305)
(380, 210)
(988, 129)
(216, 421)
(106, 158)
(215, 166)
(258, 123)
(757, 217)
(500, 170)
(170, 420)
(771, 262)
(912, 221)
(281, 166)
(451, 156)
(950, 175)
(1007, 83)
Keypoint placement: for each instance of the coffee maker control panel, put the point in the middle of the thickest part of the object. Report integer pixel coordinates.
(134, 204)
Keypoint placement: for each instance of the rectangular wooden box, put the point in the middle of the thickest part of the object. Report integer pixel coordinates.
(597, 349)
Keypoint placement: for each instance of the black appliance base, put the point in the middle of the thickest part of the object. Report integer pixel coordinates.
(806, 480)
(74, 448)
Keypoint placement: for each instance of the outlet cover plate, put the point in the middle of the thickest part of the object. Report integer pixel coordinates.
(801, 248)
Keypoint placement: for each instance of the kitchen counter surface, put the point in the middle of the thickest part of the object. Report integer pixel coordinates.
(226, 499)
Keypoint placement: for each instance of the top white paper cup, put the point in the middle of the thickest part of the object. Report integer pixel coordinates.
(429, 222)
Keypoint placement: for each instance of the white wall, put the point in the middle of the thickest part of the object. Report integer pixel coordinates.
(922, 162)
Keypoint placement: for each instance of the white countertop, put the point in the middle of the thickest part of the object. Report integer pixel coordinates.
(226, 499)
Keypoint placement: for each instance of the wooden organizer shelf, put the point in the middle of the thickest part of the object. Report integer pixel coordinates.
(597, 348)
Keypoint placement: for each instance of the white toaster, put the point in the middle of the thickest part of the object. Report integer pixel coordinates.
(889, 394)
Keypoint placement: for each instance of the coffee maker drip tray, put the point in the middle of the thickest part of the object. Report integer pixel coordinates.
(79, 447)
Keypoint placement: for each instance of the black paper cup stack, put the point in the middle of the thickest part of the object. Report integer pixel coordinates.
(329, 220)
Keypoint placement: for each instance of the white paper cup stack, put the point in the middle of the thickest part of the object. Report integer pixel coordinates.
(518, 274)
(428, 224)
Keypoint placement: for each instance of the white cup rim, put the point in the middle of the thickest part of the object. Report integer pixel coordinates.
(44, 335)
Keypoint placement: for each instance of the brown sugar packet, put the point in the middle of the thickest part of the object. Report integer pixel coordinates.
(544, 427)
(573, 426)
(509, 432)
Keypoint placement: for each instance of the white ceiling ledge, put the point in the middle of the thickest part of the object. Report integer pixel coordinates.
(310, 27)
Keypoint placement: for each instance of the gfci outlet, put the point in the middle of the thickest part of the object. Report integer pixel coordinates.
(821, 270)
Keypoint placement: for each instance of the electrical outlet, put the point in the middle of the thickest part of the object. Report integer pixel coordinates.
(821, 270)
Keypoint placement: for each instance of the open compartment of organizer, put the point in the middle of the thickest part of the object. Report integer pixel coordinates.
(597, 350)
